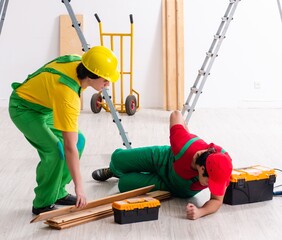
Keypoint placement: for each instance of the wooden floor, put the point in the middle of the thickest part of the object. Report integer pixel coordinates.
(251, 136)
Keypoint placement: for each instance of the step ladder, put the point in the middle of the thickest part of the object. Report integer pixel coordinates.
(279, 8)
(85, 48)
(204, 72)
(3, 9)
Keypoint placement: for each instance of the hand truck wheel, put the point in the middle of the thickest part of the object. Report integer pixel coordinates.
(130, 105)
(95, 103)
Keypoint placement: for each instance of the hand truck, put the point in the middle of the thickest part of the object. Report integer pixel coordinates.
(131, 104)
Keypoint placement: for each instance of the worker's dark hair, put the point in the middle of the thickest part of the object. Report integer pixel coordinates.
(201, 160)
(83, 72)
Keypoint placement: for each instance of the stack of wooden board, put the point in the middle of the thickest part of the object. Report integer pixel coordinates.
(71, 216)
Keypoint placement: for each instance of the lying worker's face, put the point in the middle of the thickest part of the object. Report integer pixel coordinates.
(99, 83)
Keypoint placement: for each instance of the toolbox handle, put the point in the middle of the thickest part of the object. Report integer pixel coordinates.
(97, 17)
(131, 18)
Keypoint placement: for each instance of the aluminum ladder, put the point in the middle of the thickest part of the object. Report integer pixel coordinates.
(3, 9)
(116, 118)
(204, 72)
(279, 8)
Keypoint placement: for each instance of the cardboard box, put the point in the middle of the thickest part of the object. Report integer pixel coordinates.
(136, 210)
(251, 184)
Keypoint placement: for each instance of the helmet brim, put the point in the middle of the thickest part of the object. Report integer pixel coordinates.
(113, 77)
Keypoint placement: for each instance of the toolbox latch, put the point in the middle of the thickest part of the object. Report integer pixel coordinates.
(272, 179)
(241, 183)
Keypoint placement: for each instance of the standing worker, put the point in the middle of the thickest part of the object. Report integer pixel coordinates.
(185, 168)
(46, 107)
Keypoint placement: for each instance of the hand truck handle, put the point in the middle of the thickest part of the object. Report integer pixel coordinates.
(131, 18)
(97, 17)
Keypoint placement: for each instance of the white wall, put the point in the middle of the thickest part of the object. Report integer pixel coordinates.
(249, 55)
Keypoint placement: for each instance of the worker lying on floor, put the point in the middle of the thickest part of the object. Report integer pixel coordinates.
(185, 168)
(46, 107)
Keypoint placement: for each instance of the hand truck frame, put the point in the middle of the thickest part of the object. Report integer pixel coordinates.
(131, 104)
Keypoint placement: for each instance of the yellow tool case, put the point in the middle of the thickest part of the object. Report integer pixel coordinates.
(136, 210)
(251, 184)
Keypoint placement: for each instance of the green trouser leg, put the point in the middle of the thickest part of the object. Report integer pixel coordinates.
(52, 173)
(140, 167)
(66, 177)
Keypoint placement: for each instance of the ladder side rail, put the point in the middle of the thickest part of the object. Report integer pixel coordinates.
(116, 119)
(1, 5)
(221, 35)
(279, 8)
(211, 55)
(76, 25)
(220, 32)
(194, 89)
(3, 13)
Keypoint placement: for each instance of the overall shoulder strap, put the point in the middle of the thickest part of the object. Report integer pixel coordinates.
(185, 147)
(64, 79)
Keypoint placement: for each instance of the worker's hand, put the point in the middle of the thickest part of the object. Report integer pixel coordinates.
(192, 211)
(81, 197)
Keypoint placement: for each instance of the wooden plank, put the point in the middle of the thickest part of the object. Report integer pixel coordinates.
(72, 224)
(82, 213)
(164, 48)
(103, 208)
(171, 55)
(69, 40)
(77, 221)
(95, 203)
(180, 53)
(83, 216)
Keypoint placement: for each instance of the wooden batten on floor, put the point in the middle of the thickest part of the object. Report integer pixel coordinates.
(95, 203)
(173, 53)
(95, 213)
(70, 216)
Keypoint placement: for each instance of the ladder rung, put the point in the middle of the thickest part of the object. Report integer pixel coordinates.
(209, 54)
(186, 106)
(202, 72)
(78, 23)
(190, 103)
(194, 89)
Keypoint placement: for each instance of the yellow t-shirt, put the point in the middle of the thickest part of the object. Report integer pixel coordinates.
(46, 90)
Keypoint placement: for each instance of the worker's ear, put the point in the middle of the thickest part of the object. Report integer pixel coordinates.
(202, 170)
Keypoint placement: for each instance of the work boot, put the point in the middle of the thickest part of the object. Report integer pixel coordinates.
(102, 174)
(37, 211)
(67, 200)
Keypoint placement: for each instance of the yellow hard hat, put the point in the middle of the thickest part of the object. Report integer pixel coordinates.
(102, 62)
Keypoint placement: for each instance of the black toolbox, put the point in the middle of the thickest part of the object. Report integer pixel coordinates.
(136, 210)
(251, 184)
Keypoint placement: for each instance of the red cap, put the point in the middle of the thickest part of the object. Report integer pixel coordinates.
(219, 168)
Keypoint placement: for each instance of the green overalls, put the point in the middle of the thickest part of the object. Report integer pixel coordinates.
(144, 166)
(37, 125)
